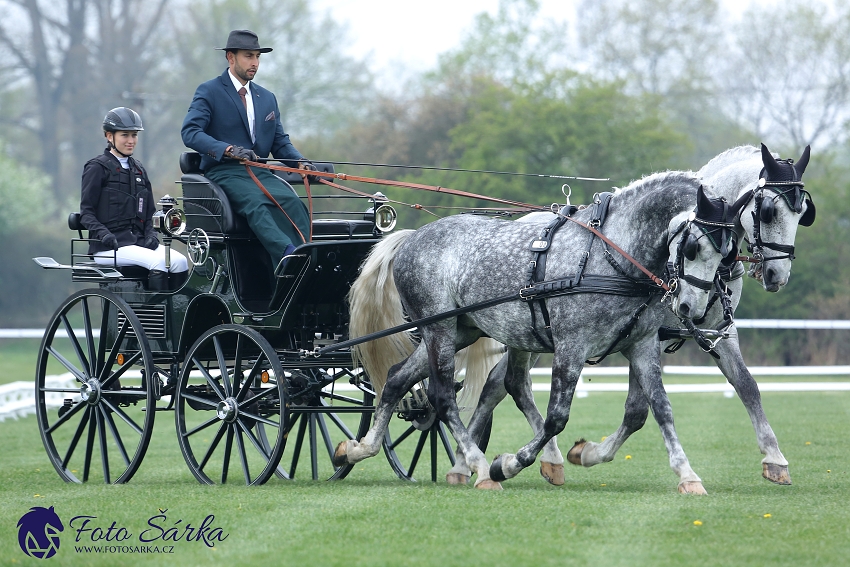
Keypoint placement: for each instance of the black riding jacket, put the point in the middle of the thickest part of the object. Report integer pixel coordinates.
(116, 200)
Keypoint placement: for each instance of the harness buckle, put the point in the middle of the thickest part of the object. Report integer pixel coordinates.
(525, 295)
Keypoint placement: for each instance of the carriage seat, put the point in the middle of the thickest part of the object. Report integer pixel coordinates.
(205, 202)
(129, 272)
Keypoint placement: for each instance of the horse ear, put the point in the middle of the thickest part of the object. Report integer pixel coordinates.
(801, 164)
(773, 169)
(704, 205)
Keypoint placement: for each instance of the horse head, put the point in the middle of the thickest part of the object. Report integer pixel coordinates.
(779, 204)
(699, 242)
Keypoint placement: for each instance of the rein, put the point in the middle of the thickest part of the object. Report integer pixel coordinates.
(437, 189)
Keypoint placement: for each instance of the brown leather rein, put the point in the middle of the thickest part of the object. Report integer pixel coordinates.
(435, 189)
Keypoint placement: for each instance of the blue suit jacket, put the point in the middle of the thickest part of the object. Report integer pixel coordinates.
(217, 119)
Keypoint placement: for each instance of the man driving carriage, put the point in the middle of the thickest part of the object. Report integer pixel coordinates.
(117, 205)
(232, 119)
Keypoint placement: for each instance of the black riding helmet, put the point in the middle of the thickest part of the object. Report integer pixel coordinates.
(122, 119)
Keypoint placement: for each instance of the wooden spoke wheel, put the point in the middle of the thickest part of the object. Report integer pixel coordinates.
(230, 407)
(320, 418)
(96, 389)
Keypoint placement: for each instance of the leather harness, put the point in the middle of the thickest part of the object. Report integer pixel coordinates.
(538, 290)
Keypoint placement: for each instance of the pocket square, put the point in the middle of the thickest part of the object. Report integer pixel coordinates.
(270, 116)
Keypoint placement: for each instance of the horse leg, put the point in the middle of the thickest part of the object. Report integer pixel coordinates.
(513, 370)
(645, 359)
(441, 344)
(565, 374)
(491, 395)
(402, 377)
(588, 453)
(518, 385)
(731, 363)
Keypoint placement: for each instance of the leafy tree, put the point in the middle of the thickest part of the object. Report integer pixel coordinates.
(510, 47)
(27, 293)
(319, 89)
(663, 47)
(72, 59)
(788, 75)
(24, 197)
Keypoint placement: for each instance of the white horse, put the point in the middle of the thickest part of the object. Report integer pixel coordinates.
(734, 175)
(463, 260)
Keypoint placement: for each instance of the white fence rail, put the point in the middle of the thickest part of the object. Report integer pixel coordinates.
(740, 323)
(17, 399)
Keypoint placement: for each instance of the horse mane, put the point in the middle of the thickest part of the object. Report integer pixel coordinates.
(653, 181)
(730, 157)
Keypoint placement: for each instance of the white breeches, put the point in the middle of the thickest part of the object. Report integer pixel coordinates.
(144, 257)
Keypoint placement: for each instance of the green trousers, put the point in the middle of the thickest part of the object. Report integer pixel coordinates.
(270, 225)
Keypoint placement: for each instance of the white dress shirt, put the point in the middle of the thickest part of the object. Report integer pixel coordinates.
(248, 99)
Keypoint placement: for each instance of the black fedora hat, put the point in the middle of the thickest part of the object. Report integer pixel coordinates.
(243, 39)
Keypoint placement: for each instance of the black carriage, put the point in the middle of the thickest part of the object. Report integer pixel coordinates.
(224, 350)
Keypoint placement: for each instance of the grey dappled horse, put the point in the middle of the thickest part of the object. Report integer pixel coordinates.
(735, 174)
(461, 260)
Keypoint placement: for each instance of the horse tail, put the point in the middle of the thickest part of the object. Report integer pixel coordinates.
(478, 359)
(375, 305)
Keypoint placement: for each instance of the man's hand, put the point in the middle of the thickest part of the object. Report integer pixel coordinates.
(109, 241)
(151, 242)
(240, 153)
(306, 165)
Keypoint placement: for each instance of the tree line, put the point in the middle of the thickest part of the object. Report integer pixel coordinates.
(627, 89)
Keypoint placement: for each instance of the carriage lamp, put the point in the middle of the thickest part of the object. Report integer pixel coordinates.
(170, 220)
(382, 214)
(385, 218)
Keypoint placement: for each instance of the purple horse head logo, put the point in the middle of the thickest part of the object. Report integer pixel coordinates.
(38, 532)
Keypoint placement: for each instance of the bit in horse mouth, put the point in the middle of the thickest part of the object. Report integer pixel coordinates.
(757, 272)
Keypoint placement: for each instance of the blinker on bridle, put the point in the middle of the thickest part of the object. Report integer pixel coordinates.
(688, 246)
(793, 194)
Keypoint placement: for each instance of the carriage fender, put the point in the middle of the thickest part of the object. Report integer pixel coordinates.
(203, 313)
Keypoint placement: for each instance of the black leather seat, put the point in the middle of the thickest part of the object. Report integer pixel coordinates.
(129, 272)
(205, 203)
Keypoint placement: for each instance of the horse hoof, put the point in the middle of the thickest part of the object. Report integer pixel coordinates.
(574, 454)
(340, 458)
(554, 474)
(488, 485)
(457, 478)
(776, 473)
(496, 470)
(692, 487)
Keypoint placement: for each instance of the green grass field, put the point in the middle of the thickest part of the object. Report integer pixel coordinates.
(623, 513)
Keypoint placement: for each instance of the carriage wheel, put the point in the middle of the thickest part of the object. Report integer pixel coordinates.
(316, 423)
(103, 393)
(415, 432)
(231, 383)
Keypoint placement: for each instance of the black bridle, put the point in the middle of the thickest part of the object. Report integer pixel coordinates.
(793, 194)
(721, 235)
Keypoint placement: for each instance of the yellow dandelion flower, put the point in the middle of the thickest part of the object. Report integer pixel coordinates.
(828, 470)
(603, 485)
(628, 457)
(808, 442)
(604, 438)
(767, 515)
(697, 523)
